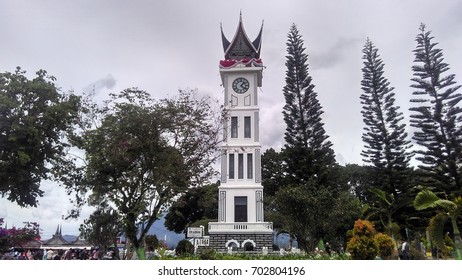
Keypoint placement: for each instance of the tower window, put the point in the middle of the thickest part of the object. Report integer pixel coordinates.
(249, 166)
(240, 166)
(234, 127)
(247, 127)
(231, 166)
(240, 208)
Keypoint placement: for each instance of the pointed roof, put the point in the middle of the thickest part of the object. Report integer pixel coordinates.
(57, 239)
(241, 47)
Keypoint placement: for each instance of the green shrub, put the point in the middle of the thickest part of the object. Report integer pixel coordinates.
(184, 247)
(362, 246)
(207, 254)
(386, 246)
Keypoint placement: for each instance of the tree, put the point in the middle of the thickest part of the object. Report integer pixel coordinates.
(309, 170)
(144, 153)
(436, 117)
(17, 237)
(34, 120)
(300, 211)
(385, 137)
(384, 208)
(308, 151)
(273, 172)
(102, 228)
(447, 210)
(194, 205)
(360, 179)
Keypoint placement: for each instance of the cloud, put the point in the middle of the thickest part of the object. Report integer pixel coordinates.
(107, 82)
(334, 55)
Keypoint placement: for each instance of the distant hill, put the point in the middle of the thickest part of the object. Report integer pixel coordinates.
(162, 233)
(158, 229)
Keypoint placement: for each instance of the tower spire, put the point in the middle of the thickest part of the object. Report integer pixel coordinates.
(241, 47)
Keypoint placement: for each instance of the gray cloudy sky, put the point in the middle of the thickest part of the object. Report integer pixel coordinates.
(163, 46)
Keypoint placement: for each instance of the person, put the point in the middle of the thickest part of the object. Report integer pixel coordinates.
(405, 251)
(50, 254)
(95, 254)
(328, 248)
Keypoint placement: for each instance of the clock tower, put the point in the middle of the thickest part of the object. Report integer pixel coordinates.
(241, 225)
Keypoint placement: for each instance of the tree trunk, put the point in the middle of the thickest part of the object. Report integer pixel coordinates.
(302, 244)
(141, 253)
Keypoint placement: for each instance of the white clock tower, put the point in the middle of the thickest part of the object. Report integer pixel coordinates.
(241, 224)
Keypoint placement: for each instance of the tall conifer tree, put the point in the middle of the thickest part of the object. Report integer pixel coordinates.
(386, 147)
(436, 116)
(308, 151)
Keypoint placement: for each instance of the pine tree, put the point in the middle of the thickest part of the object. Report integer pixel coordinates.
(307, 150)
(436, 116)
(386, 147)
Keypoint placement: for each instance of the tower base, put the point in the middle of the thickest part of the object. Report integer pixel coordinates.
(241, 242)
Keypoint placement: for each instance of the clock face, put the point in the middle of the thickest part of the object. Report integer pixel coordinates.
(240, 85)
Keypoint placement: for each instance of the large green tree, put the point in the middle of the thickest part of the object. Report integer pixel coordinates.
(437, 117)
(35, 117)
(386, 148)
(194, 205)
(386, 144)
(309, 177)
(102, 228)
(144, 153)
(311, 213)
(308, 152)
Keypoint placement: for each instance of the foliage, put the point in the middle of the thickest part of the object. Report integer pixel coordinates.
(447, 209)
(195, 204)
(152, 241)
(184, 247)
(437, 117)
(273, 172)
(34, 120)
(363, 228)
(212, 255)
(362, 245)
(385, 206)
(308, 152)
(296, 217)
(17, 237)
(304, 177)
(386, 145)
(102, 228)
(302, 211)
(362, 248)
(144, 153)
(386, 245)
(360, 179)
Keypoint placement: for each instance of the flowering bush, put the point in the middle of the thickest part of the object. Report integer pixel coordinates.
(362, 245)
(16, 237)
(363, 228)
(385, 244)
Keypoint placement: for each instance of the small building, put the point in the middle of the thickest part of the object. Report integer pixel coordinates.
(57, 242)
